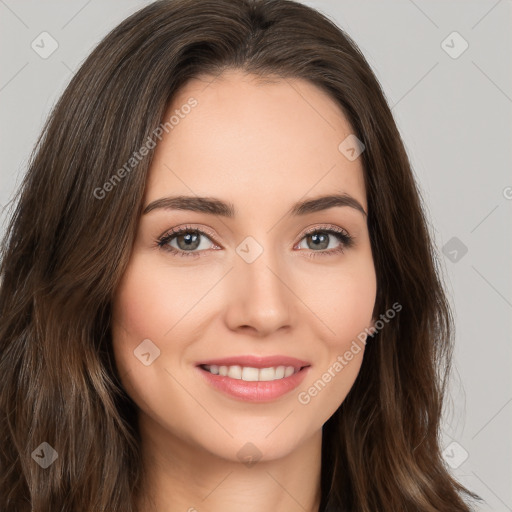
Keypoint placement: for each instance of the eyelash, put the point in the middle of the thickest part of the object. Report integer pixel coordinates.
(347, 241)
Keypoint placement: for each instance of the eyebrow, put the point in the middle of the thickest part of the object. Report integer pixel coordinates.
(214, 206)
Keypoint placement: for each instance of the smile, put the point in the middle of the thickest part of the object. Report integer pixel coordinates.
(251, 383)
(250, 374)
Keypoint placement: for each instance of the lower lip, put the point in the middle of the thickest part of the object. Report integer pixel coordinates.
(251, 391)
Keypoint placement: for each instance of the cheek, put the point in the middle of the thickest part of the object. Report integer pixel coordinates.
(352, 306)
(142, 311)
(344, 302)
(343, 299)
(158, 303)
(149, 302)
(152, 299)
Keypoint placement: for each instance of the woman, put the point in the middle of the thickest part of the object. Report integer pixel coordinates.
(218, 287)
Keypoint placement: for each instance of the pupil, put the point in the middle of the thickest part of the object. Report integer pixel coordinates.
(320, 240)
(191, 240)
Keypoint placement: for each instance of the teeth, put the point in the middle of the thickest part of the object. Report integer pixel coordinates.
(235, 372)
(290, 370)
(280, 372)
(250, 374)
(267, 374)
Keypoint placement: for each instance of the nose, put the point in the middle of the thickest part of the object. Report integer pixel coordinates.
(260, 299)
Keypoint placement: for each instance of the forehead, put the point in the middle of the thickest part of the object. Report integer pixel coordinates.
(247, 139)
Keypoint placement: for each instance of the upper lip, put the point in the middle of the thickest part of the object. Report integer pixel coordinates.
(257, 361)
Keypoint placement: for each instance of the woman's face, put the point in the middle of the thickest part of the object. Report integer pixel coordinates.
(257, 282)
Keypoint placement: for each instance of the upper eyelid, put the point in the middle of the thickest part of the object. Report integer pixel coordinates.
(209, 232)
(325, 227)
(178, 230)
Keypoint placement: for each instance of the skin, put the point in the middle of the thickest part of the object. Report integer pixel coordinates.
(262, 147)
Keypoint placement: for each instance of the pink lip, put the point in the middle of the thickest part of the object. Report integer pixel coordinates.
(257, 361)
(254, 391)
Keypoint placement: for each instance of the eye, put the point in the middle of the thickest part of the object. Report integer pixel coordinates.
(319, 239)
(187, 241)
(184, 241)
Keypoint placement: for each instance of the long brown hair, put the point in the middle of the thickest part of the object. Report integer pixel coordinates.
(67, 247)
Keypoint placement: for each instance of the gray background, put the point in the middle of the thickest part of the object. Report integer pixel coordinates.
(455, 117)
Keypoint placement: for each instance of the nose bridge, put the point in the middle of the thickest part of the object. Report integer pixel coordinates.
(259, 295)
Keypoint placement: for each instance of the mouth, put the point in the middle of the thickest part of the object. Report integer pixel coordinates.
(254, 379)
(252, 374)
